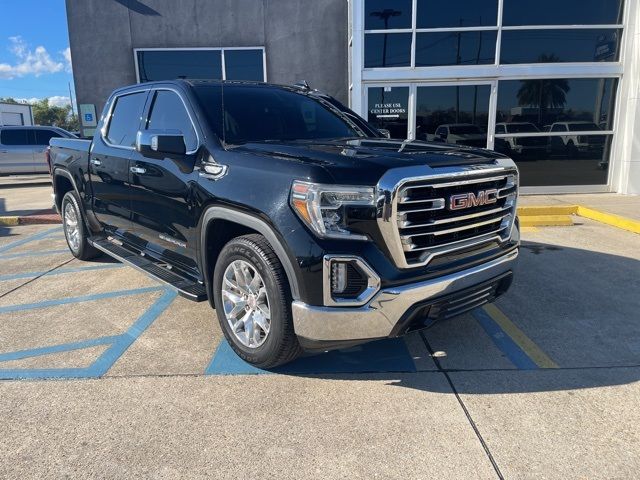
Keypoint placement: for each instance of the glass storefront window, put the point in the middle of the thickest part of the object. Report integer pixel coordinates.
(388, 108)
(387, 50)
(562, 12)
(242, 64)
(156, 65)
(455, 48)
(453, 114)
(456, 13)
(545, 102)
(558, 160)
(383, 14)
(554, 46)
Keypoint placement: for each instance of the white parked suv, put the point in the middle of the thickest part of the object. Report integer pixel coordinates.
(461, 134)
(23, 149)
(519, 145)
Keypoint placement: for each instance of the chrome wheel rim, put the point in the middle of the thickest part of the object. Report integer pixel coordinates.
(71, 228)
(246, 303)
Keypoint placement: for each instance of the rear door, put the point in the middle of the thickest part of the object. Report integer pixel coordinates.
(109, 162)
(41, 137)
(16, 150)
(163, 216)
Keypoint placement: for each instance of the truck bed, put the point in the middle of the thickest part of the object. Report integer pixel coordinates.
(65, 151)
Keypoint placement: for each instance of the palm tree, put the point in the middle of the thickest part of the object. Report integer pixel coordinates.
(551, 93)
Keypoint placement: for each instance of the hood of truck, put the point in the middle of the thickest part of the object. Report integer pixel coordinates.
(365, 160)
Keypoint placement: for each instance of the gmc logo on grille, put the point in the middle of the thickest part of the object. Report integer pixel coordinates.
(468, 200)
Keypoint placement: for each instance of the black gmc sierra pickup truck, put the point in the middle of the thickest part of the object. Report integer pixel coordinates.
(304, 227)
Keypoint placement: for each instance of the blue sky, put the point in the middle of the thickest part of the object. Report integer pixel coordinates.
(33, 41)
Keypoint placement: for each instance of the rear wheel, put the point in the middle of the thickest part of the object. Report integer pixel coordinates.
(253, 302)
(74, 229)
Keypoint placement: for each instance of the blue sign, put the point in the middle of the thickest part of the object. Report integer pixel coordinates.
(88, 117)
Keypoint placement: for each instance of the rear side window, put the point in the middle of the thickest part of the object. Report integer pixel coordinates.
(15, 136)
(169, 113)
(43, 136)
(125, 119)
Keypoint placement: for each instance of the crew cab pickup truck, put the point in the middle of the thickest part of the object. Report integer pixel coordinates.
(298, 221)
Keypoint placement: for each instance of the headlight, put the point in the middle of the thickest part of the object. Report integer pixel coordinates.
(324, 207)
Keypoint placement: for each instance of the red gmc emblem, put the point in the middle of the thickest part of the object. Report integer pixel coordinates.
(468, 200)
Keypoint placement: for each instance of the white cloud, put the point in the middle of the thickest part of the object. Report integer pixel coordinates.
(28, 62)
(66, 53)
(56, 100)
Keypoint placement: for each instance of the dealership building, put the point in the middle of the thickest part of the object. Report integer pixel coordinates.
(553, 83)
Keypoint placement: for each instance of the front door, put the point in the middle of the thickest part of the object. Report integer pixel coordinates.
(109, 163)
(16, 150)
(164, 220)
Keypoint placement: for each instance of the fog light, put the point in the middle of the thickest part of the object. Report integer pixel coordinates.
(338, 277)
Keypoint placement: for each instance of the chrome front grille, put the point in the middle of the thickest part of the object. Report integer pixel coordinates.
(446, 210)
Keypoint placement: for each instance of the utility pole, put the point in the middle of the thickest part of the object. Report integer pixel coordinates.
(71, 99)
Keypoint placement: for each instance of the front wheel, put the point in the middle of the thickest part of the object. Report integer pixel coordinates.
(253, 302)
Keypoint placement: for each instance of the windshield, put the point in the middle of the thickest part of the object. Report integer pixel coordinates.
(522, 128)
(582, 127)
(260, 113)
(464, 129)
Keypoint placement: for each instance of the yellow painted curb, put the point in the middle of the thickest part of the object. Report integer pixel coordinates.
(546, 221)
(10, 221)
(609, 219)
(547, 210)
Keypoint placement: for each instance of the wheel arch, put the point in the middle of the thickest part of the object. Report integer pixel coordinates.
(241, 223)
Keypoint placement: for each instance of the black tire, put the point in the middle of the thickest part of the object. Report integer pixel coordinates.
(281, 344)
(83, 250)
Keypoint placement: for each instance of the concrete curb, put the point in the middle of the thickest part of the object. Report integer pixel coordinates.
(559, 215)
(41, 219)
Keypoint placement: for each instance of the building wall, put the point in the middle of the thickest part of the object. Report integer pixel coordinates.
(11, 109)
(304, 40)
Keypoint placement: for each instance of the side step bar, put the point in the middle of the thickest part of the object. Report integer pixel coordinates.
(185, 287)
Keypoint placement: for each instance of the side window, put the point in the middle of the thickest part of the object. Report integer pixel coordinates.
(14, 136)
(169, 113)
(500, 129)
(125, 119)
(43, 136)
(441, 132)
(558, 127)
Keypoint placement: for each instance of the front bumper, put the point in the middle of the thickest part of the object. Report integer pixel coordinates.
(388, 312)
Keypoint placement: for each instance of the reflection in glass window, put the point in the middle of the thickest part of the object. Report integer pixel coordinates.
(156, 65)
(169, 113)
(125, 119)
(243, 65)
(387, 50)
(388, 108)
(563, 12)
(553, 46)
(554, 103)
(455, 48)
(384, 14)
(456, 13)
(558, 160)
(453, 114)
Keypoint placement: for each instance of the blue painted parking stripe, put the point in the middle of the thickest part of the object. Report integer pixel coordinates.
(30, 238)
(119, 344)
(83, 298)
(65, 347)
(58, 271)
(111, 355)
(34, 254)
(503, 341)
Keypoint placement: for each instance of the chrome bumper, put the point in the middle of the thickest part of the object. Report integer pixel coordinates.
(379, 316)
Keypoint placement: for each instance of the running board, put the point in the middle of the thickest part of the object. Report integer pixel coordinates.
(185, 287)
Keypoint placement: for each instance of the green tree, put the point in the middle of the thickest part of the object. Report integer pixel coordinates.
(46, 114)
(9, 100)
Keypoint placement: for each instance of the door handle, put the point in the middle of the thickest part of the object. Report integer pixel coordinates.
(138, 170)
(96, 162)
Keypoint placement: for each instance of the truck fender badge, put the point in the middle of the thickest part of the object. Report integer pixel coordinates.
(175, 241)
(468, 200)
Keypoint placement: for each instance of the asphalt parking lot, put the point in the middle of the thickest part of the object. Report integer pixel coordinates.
(107, 373)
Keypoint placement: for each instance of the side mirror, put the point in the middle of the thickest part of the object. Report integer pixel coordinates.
(160, 143)
(385, 133)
